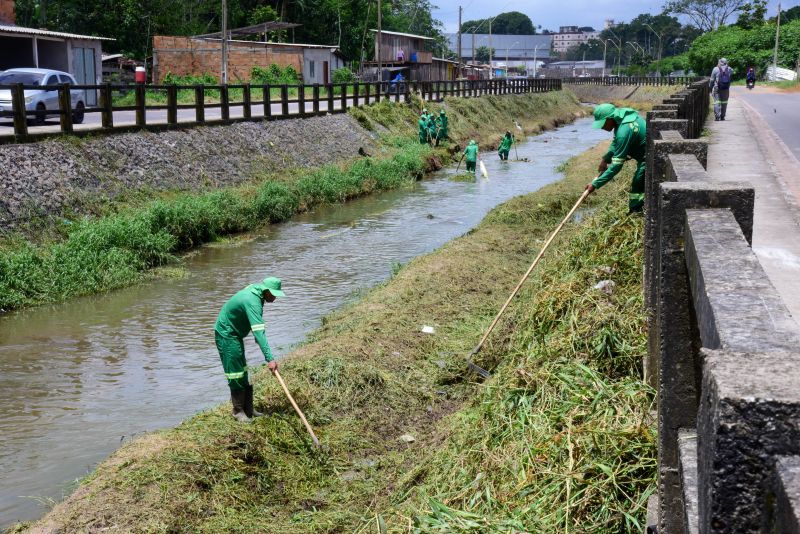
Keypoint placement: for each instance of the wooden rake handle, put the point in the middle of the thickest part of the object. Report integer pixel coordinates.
(528, 273)
(296, 408)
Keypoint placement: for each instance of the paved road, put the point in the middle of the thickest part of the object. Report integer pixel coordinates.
(746, 147)
(780, 110)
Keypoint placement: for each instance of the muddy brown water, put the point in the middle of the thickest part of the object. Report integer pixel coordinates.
(78, 379)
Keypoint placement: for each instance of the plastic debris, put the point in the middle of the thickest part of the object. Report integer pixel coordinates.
(606, 286)
(428, 329)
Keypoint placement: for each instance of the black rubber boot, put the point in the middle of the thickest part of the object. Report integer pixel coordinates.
(248, 403)
(239, 402)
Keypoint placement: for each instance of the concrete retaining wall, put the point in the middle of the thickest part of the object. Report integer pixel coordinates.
(723, 350)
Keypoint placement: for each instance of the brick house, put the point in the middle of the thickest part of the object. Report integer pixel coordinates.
(199, 55)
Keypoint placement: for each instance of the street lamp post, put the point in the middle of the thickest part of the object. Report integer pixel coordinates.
(619, 48)
(535, 63)
(659, 46)
(605, 45)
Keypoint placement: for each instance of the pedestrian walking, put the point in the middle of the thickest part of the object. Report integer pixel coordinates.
(471, 156)
(505, 146)
(243, 314)
(630, 142)
(720, 84)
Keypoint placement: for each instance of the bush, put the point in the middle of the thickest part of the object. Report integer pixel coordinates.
(343, 75)
(274, 75)
(190, 79)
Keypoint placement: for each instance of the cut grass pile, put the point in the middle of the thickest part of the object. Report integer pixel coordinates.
(557, 438)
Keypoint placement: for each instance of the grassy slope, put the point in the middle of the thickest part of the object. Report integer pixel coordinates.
(564, 410)
(95, 255)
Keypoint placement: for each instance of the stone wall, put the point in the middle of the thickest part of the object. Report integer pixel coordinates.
(57, 176)
(723, 350)
(184, 55)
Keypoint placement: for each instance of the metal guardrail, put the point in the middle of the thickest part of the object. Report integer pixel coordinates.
(291, 101)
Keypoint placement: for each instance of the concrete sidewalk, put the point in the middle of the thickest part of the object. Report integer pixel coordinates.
(745, 148)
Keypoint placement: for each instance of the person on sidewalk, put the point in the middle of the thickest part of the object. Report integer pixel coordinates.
(630, 142)
(242, 314)
(720, 84)
(471, 156)
(505, 146)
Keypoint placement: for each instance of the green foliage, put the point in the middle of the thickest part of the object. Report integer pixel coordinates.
(708, 15)
(189, 79)
(343, 75)
(509, 23)
(752, 15)
(102, 254)
(274, 75)
(744, 48)
(482, 54)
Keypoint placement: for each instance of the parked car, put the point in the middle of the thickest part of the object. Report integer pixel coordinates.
(43, 102)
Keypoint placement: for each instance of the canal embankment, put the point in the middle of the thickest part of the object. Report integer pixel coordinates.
(559, 436)
(96, 214)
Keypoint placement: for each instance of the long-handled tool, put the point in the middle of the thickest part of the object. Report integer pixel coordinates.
(483, 372)
(296, 408)
(516, 154)
(459, 163)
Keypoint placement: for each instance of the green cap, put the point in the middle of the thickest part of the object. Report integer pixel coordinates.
(601, 113)
(272, 284)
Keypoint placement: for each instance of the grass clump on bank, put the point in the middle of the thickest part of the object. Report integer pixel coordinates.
(100, 254)
(565, 408)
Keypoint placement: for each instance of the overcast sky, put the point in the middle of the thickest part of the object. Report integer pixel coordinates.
(551, 14)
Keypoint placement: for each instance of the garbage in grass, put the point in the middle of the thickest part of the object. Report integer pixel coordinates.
(428, 329)
(606, 286)
(408, 438)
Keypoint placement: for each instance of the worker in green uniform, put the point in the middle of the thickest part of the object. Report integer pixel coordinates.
(630, 142)
(444, 133)
(423, 128)
(505, 146)
(239, 316)
(471, 156)
(432, 130)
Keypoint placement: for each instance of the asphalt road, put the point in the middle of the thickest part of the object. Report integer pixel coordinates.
(780, 110)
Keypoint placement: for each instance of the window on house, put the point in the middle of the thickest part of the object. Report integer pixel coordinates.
(311, 69)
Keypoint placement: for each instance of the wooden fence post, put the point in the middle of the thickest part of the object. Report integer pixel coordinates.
(247, 110)
(343, 97)
(329, 96)
(315, 97)
(284, 100)
(355, 94)
(367, 92)
(301, 99)
(65, 108)
(18, 108)
(107, 115)
(200, 104)
(266, 100)
(378, 91)
(141, 111)
(225, 103)
(172, 105)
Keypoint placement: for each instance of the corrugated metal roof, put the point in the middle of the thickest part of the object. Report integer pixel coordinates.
(405, 35)
(7, 28)
(518, 46)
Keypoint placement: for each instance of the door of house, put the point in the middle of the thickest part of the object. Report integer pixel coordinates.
(83, 66)
(325, 78)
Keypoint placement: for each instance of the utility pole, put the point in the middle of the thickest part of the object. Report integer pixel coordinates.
(605, 44)
(491, 69)
(380, 74)
(458, 42)
(224, 43)
(775, 55)
(473, 45)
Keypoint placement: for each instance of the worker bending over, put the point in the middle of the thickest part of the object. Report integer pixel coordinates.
(630, 142)
(505, 146)
(238, 317)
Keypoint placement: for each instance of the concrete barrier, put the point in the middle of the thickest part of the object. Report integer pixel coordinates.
(723, 350)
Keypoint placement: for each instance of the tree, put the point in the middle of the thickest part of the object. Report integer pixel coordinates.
(752, 15)
(482, 54)
(708, 15)
(790, 14)
(586, 29)
(510, 23)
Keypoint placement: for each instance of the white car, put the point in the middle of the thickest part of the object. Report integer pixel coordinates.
(44, 102)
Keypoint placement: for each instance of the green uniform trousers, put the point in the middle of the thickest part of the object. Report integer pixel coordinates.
(234, 364)
(636, 195)
(471, 166)
(503, 154)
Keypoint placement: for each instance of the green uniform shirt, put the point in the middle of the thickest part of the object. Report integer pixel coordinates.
(242, 314)
(505, 143)
(471, 153)
(630, 141)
